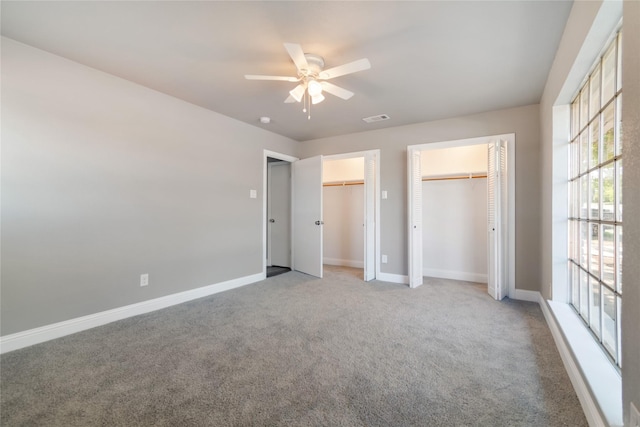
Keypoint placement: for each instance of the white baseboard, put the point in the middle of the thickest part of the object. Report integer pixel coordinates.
(393, 278)
(343, 262)
(68, 327)
(524, 295)
(593, 367)
(455, 275)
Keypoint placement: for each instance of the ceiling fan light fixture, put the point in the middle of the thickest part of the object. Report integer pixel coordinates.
(297, 93)
(317, 99)
(312, 77)
(314, 87)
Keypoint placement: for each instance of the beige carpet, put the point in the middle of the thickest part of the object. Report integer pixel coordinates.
(295, 350)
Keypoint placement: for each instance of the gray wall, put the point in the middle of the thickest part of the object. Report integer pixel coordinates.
(393, 142)
(631, 197)
(589, 25)
(103, 180)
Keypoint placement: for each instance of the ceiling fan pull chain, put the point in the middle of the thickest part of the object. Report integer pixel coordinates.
(304, 102)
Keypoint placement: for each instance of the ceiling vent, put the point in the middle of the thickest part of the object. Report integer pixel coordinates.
(378, 118)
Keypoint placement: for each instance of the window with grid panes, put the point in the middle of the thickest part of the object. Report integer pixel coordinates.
(595, 200)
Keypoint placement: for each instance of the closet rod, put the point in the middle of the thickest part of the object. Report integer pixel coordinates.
(342, 184)
(445, 178)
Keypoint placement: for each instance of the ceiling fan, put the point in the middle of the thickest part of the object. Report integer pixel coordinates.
(312, 77)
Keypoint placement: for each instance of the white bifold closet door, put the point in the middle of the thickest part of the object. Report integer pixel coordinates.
(307, 216)
(497, 219)
(415, 218)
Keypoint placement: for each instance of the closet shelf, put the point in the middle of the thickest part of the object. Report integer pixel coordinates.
(470, 175)
(342, 183)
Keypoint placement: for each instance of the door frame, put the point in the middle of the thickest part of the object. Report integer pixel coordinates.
(511, 191)
(372, 187)
(285, 158)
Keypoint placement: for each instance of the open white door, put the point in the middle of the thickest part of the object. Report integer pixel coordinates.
(307, 216)
(415, 218)
(497, 219)
(369, 217)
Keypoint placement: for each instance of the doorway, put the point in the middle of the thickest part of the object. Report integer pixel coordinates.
(499, 208)
(352, 209)
(305, 219)
(278, 216)
(277, 212)
(343, 212)
(454, 213)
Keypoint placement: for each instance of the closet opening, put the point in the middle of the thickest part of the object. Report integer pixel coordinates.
(350, 210)
(343, 212)
(454, 213)
(461, 212)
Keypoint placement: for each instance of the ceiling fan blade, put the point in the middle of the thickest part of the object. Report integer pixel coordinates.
(280, 78)
(297, 54)
(341, 70)
(336, 90)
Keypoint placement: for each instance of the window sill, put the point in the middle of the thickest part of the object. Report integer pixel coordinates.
(596, 381)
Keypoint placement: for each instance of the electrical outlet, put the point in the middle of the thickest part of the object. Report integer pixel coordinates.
(384, 194)
(634, 416)
(384, 259)
(144, 279)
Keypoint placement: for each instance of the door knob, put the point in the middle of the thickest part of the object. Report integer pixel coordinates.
(272, 220)
(319, 222)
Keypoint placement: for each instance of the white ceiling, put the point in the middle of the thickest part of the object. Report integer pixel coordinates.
(430, 60)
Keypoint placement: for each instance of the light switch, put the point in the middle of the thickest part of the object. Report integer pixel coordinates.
(253, 194)
(384, 194)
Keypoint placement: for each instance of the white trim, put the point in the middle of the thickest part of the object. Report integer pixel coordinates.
(268, 215)
(393, 278)
(71, 326)
(279, 156)
(455, 275)
(524, 295)
(344, 262)
(378, 192)
(350, 155)
(597, 383)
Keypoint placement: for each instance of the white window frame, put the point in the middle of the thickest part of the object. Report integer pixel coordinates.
(585, 221)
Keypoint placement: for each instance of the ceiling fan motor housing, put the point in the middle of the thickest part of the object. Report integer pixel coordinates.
(315, 63)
